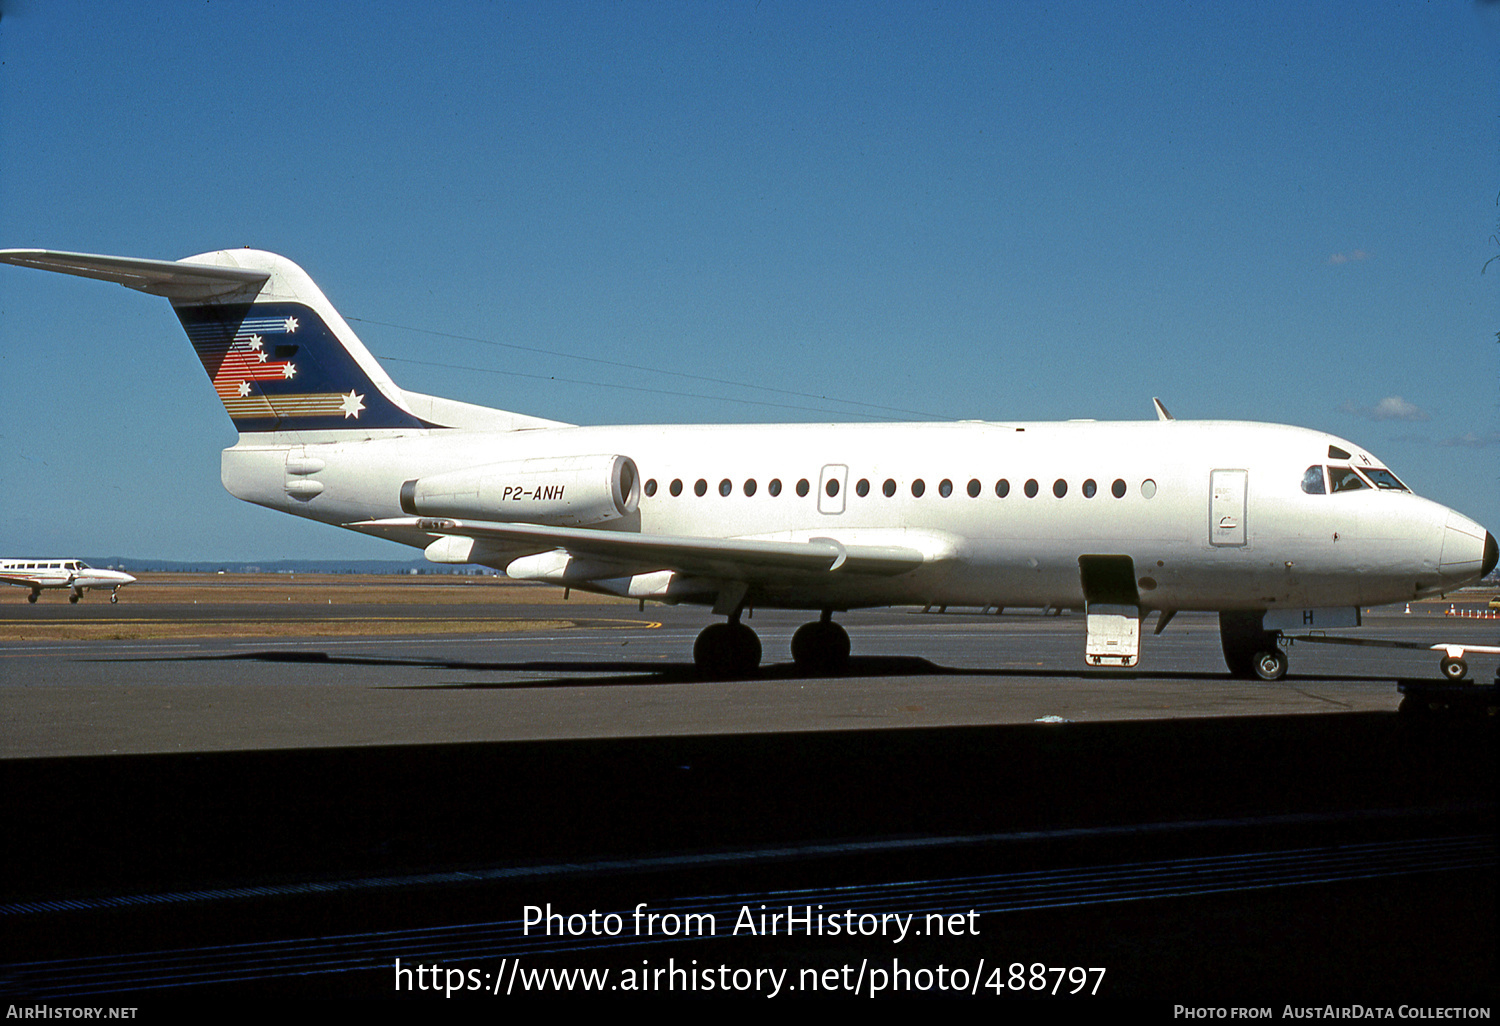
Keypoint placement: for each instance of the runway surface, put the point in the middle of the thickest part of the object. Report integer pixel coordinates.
(288, 811)
(313, 675)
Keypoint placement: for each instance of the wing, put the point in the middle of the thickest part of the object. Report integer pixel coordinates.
(740, 559)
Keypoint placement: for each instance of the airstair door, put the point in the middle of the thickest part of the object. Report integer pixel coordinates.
(1113, 608)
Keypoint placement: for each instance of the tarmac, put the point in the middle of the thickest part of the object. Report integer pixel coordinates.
(291, 790)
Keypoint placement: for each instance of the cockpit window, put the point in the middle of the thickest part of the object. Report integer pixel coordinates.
(1344, 479)
(1312, 481)
(1383, 478)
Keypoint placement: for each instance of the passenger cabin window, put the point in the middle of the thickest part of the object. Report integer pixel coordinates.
(1312, 481)
(1344, 479)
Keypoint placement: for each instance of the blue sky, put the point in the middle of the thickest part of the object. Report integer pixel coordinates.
(1274, 211)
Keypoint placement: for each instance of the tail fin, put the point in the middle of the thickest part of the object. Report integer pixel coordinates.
(284, 359)
(279, 355)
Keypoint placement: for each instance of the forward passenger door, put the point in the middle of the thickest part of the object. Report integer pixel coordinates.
(1227, 493)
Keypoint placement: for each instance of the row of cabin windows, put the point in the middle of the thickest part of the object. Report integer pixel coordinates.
(1031, 488)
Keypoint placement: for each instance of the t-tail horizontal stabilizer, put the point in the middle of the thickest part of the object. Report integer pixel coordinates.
(279, 355)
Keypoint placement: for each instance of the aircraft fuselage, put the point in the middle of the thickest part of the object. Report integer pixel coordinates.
(1003, 511)
(74, 574)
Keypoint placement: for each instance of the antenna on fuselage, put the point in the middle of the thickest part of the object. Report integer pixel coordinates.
(1161, 411)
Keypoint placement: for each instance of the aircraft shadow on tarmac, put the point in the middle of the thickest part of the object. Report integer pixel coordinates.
(595, 673)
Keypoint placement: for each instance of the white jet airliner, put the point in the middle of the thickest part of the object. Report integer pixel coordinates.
(1269, 526)
(37, 574)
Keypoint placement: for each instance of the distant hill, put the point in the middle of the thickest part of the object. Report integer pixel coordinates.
(279, 566)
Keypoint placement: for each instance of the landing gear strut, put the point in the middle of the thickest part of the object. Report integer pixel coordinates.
(822, 646)
(1249, 649)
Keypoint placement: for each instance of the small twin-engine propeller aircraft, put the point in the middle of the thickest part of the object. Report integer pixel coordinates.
(37, 574)
(1264, 524)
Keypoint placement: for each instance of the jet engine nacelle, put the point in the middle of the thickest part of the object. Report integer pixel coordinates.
(569, 491)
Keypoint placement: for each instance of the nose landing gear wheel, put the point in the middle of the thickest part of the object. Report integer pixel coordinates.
(1245, 641)
(1271, 665)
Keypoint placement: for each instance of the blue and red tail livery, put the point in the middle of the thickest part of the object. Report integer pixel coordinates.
(277, 366)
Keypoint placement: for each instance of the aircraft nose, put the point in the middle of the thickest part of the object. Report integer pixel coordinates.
(1469, 551)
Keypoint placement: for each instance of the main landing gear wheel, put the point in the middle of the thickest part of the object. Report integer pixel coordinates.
(821, 647)
(1453, 669)
(1271, 665)
(33, 596)
(73, 598)
(725, 650)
